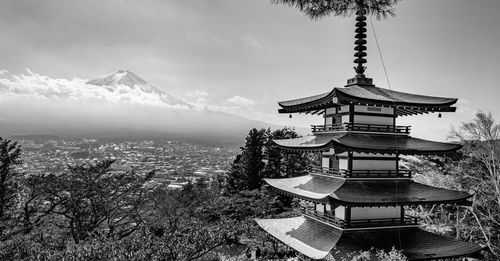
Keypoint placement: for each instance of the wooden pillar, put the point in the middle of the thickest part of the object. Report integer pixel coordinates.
(324, 117)
(397, 165)
(394, 115)
(351, 113)
(349, 162)
(348, 215)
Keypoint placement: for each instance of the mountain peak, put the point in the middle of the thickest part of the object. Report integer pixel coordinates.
(118, 77)
(116, 80)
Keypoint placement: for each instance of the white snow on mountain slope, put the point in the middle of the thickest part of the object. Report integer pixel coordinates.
(118, 87)
(126, 81)
(119, 102)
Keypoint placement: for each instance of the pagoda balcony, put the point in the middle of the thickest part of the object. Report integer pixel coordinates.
(360, 223)
(384, 222)
(326, 218)
(347, 126)
(401, 173)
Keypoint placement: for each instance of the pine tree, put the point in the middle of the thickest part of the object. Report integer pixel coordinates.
(246, 170)
(260, 159)
(317, 9)
(252, 158)
(234, 180)
(282, 164)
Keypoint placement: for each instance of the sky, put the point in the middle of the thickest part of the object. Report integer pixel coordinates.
(242, 56)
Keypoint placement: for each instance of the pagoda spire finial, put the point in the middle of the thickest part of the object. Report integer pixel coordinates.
(360, 47)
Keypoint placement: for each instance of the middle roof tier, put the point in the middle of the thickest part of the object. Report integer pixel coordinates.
(320, 189)
(367, 143)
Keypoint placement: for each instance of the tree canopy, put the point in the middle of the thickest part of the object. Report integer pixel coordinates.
(10, 157)
(316, 9)
(260, 159)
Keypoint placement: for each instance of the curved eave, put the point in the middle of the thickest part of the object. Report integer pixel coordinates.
(387, 144)
(313, 239)
(316, 102)
(382, 96)
(416, 244)
(405, 103)
(317, 240)
(321, 189)
(368, 143)
(388, 193)
(307, 143)
(309, 188)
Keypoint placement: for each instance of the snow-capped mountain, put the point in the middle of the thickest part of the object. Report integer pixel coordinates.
(127, 81)
(118, 104)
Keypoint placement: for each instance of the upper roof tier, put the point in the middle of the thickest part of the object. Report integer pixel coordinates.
(369, 143)
(317, 240)
(322, 189)
(405, 103)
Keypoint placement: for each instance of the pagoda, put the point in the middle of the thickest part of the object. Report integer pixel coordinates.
(357, 197)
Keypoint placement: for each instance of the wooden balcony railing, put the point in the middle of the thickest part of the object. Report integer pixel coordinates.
(401, 173)
(327, 128)
(378, 128)
(361, 127)
(327, 218)
(361, 223)
(327, 171)
(383, 222)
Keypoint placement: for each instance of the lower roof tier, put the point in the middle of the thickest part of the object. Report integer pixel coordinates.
(317, 240)
(368, 143)
(323, 189)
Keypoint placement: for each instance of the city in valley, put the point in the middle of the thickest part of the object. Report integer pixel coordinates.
(174, 161)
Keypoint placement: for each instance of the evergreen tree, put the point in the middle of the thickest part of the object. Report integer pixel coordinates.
(253, 157)
(280, 163)
(234, 180)
(246, 170)
(260, 159)
(318, 9)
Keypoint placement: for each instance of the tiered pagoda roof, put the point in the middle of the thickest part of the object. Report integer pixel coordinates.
(370, 143)
(405, 103)
(322, 189)
(318, 240)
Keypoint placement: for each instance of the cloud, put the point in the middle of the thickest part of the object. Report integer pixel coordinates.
(463, 106)
(50, 102)
(34, 86)
(31, 103)
(197, 93)
(240, 101)
(252, 42)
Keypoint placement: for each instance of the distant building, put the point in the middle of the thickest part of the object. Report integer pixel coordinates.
(178, 185)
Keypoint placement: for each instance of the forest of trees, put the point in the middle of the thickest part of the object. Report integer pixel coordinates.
(92, 212)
